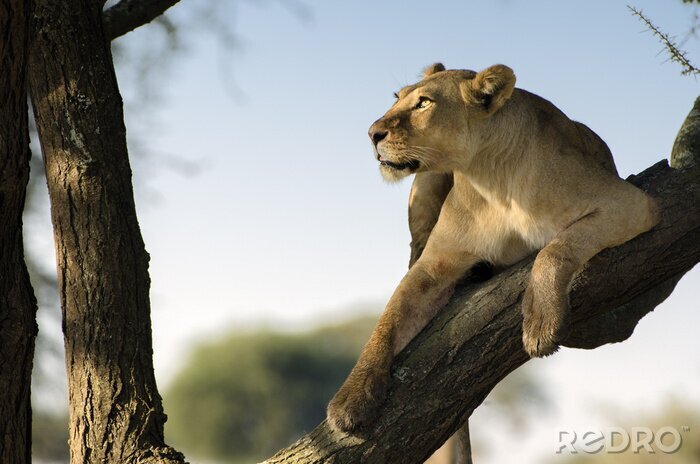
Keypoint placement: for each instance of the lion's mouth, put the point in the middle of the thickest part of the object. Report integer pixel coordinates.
(410, 164)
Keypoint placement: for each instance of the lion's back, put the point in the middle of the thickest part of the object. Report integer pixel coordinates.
(569, 132)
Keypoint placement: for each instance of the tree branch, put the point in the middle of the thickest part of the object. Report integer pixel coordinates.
(687, 145)
(476, 340)
(127, 15)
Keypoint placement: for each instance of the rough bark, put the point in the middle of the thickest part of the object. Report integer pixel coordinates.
(447, 371)
(687, 145)
(115, 410)
(17, 303)
(127, 15)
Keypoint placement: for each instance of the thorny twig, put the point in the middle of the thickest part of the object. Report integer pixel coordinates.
(677, 55)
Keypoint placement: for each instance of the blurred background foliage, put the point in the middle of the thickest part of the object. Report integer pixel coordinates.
(237, 399)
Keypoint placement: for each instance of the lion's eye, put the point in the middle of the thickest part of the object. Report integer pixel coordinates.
(423, 102)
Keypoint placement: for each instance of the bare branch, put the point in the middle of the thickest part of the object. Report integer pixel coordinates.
(127, 15)
(447, 371)
(676, 54)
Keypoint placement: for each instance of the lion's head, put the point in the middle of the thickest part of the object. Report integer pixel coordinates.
(429, 125)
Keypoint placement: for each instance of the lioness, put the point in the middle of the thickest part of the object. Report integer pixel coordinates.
(500, 173)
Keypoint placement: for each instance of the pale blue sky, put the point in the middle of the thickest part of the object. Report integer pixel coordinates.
(288, 221)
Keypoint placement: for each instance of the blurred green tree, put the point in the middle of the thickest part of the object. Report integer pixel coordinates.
(238, 398)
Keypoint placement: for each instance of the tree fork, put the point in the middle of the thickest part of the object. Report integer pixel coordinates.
(115, 410)
(448, 370)
(17, 303)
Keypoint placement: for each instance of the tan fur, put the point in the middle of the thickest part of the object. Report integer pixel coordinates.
(525, 178)
(428, 193)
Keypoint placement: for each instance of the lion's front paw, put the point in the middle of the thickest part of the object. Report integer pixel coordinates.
(545, 322)
(356, 403)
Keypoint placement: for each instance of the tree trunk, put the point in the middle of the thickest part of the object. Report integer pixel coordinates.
(17, 303)
(115, 410)
(447, 371)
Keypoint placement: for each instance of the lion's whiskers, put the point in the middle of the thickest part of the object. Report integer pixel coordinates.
(426, 155)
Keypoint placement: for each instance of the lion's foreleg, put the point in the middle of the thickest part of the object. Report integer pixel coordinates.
(428, 193)
(546, 300)
(423, 291)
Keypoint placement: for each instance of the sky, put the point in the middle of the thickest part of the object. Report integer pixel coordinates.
(285, 221)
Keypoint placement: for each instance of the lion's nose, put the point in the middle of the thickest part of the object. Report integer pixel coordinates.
(377, 135)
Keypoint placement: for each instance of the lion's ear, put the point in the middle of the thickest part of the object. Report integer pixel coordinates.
(432, 69)
(490, 88)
